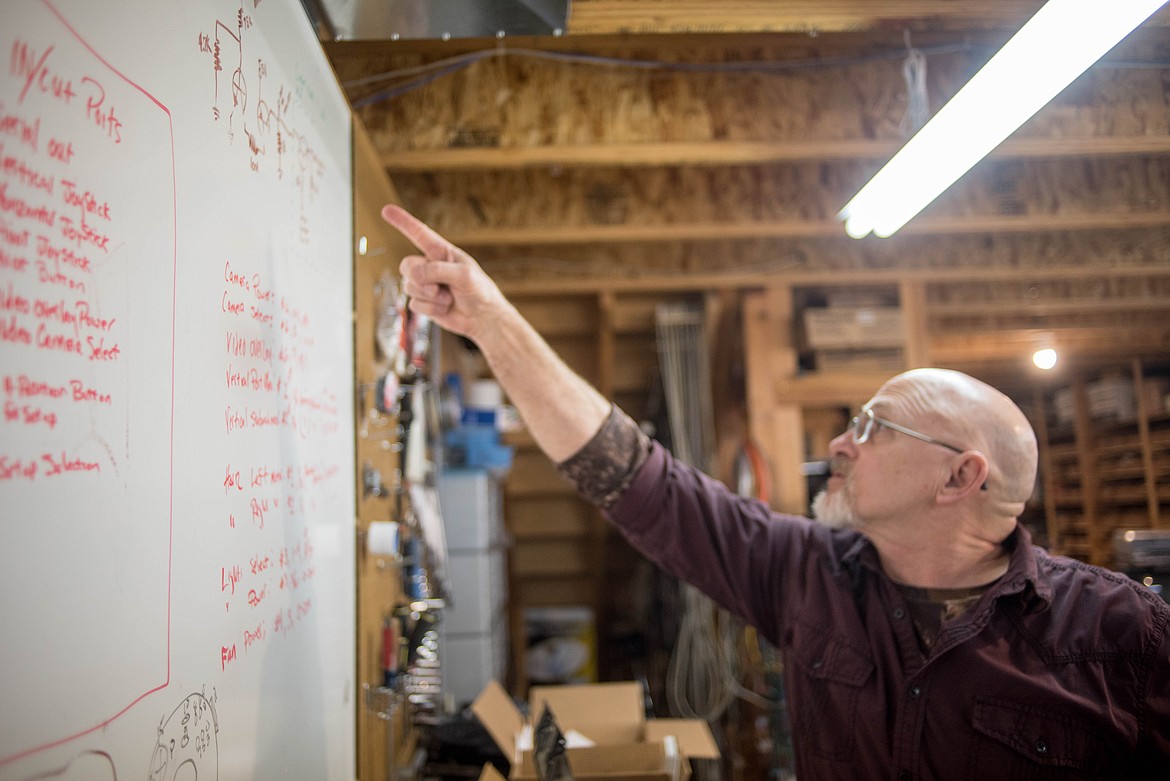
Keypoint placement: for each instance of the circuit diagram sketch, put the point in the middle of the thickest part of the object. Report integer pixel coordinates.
(243, 100)
(188, 741)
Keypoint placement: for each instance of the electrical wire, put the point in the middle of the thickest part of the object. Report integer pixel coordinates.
(696, 684)
(686, 372)
(431, 71)
(917, 103)
(695, 675)
(434, 70)
(702, 675)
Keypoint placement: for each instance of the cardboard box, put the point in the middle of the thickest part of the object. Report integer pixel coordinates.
(626, 746)
(489, 773)
(840, 328)
(1112, 397)
(626, 762)
(1063, 406)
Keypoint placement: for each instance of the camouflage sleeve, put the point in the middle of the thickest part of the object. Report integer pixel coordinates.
(604, 467)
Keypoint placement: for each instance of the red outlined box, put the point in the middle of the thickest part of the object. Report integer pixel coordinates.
(85, 600)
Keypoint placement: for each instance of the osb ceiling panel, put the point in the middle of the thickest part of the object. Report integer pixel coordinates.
(686, 145)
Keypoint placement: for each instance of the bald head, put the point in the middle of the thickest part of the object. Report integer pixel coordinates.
(973, 415)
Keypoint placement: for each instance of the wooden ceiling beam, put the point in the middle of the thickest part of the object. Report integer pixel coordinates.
(951, 309)
(561, 235)
(718, 153)
(953, 349)
(603, 17)
(594, 17)
(658, 283)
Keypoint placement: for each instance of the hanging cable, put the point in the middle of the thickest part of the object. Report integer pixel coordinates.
(430, 71)
(696, 682)
(698, 679)
(702, 675)
(917, 102)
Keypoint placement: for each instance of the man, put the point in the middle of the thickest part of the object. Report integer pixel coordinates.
(923, 635)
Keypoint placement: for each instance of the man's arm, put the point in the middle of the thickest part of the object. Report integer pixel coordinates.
(560, 408)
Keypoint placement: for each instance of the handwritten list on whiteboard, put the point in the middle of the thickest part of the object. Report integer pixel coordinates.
(176, 444)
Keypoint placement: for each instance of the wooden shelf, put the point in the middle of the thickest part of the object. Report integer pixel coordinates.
(1123, 495)
(1104, 474)
(721, 153)
(561, 235)
(1069, 499)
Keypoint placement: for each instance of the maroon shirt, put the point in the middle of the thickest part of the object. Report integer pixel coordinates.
(1060, 670)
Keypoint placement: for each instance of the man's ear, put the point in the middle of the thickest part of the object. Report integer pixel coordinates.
(968, 476)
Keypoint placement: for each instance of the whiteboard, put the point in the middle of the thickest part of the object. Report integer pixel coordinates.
(176, 364)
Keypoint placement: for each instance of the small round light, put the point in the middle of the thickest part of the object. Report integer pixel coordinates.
(1044, 359)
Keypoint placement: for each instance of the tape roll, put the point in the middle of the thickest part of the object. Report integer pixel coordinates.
(382, 539)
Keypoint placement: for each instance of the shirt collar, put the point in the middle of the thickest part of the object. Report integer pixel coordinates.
(1023, 576)
(1022, 579)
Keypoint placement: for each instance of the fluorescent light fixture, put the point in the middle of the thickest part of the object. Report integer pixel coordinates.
(1059, 43)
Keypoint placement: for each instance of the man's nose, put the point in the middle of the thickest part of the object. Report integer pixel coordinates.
(843, 444)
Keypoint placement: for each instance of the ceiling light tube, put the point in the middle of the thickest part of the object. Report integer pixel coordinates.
(1056, 45)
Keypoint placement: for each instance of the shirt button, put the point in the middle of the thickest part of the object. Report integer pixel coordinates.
(1041, 747)
(899, 613)
(915, 692)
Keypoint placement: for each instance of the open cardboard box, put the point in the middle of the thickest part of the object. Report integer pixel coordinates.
(626, 746)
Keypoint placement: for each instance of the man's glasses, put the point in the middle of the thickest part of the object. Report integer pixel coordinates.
(866, 422)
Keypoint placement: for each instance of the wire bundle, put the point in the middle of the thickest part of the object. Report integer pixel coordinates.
(702, 677)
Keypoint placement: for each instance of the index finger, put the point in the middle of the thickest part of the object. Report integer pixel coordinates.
(421, 235)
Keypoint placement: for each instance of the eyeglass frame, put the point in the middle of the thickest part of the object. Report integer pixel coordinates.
(872, 420)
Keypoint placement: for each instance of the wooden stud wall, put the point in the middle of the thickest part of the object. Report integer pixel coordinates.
(381, 744)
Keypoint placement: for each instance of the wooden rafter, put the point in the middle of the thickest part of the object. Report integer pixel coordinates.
(811, 16)
(717, 153)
